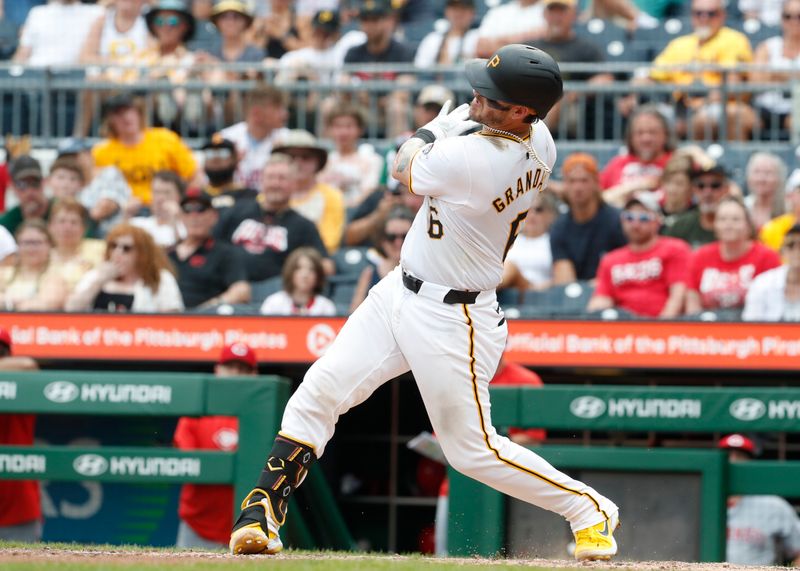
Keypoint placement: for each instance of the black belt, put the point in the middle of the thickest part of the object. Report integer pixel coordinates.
(453, 296)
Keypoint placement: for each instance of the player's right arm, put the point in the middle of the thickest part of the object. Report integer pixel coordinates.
(401, 170)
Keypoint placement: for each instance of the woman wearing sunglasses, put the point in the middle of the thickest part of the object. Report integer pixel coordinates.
(135, 277)
(386, 256)
(775, 294)
(720, 273)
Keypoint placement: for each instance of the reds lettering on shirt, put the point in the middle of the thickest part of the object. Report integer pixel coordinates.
(747, 535)
(637, 271)
(256, 237)
(727, 288)
(634, 171)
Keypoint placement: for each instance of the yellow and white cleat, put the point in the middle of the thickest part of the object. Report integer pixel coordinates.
(597, 543)
(256, 530)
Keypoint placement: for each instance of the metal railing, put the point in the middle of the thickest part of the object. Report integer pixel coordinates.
(48, 103)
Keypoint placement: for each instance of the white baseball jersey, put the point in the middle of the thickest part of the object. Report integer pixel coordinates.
(478, 191)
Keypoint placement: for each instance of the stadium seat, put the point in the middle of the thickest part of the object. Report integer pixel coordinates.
(342, 295)
(567, 300)
(350, 261)
(261, 290)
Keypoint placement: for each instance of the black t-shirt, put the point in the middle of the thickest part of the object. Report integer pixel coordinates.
(396, 52)
(267, 238)
(113, 302)
(576, 49)
(584, 244)
(208, 271)
(228, 198)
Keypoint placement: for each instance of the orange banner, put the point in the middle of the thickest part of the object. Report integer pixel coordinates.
(163, 337)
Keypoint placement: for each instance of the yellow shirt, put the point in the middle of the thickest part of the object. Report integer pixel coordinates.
(726, 47)
(324, 206)
(159, 149)
(772, 232)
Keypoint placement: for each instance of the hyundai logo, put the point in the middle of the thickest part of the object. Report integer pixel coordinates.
(587, 407)
(90, 465)
(747, 409)
(61, 391)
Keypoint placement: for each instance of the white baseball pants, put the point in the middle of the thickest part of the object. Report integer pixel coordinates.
(453, 352)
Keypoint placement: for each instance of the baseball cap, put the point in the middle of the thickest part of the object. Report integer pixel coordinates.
(237, 6)
(583, 160)
(301, 139)
(434, 94)
(465, 3)
(700, 169)
(738, 442)
(547, 3)
(647, 200)
(5, 338)
(218, 142)
(376, 8)
(198, 196)
(238, 352)
(327, 20)
(25, 166)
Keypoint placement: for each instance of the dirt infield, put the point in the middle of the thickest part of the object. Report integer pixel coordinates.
(77, 557)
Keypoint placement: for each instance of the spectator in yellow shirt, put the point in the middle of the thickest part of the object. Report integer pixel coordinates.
(139, 151)
(321, 203)
(710, 43)
(773, 232)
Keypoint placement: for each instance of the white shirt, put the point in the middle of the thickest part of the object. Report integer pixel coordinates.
(280, 303)
(511, 18)
(428, 50)
(478, 191)
(8, 245)
(164, 234)
(254, 153)
(533, 258)
(765, 299)
(769, 11)
(56, 32)
(115, 45)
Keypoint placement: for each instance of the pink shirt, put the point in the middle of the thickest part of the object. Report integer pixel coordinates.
(625, 168)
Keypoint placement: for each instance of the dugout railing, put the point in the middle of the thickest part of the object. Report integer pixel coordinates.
(478, 515)
(257, 402)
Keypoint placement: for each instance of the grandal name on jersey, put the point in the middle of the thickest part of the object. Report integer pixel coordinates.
(532, 181)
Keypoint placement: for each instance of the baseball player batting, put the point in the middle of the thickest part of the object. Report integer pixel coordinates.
(437, 314)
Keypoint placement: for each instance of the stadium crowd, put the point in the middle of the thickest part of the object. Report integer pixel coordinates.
(264, 216)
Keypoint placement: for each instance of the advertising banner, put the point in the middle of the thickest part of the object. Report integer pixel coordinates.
(623, 344)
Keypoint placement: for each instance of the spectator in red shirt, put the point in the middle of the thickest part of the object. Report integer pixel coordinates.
(721, 272)
(205, 510)
(20, 507)
(649, 145)
(648, 276)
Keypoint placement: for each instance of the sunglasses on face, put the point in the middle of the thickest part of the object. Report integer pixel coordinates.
(194, 207)
(217, 154)
(168, 21)
(391, 237)
(126, 248)
(705, 13)
(716, 185)
(638, 217)
(787, 17)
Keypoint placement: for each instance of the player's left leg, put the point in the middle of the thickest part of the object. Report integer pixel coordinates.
(456, 349)
(363, 356)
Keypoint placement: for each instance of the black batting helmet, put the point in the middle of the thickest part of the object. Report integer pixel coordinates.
(518, 74)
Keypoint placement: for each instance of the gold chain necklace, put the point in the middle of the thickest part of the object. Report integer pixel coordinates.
(531, 153)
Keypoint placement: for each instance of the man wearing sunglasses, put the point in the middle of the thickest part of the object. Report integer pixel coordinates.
(209, 272)
(220, 160)
(436, 314)
(709, 186)
(648, 276)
